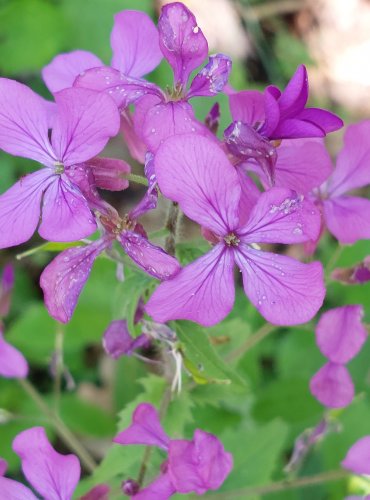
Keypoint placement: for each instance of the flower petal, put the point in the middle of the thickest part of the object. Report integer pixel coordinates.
(294, 97)
(152, 259)
(202, 292)
(358, 457)
(332, 386)
(150, 199)
(135, 43)
(85, 122)
(144, 429)
(64, 278)
(161, 487)
(24, 123)
(63, 70)
(134, 143)
(347, 218)
(340, 333)
(327, 121)
(109, 173)
(12, 363)
(249, 195)
(353, 162)
(181, 40)
(12, 490)
(118, 342)
(65, 212)
(285, 291)
(53, 475)
(211, 79)
(20, 208)
(281, 216)
(248, 106)
(197, 174)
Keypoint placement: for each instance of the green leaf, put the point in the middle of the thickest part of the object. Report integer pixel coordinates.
(201, 358)
(189, 251)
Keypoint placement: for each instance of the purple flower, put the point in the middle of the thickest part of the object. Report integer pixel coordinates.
(52, 475)
(12, 363)
(357, 459)
(196, 173)
(118, 342)
(196, 466)
(358, 274)
(76, 137)
(332, 386)
(346, 216)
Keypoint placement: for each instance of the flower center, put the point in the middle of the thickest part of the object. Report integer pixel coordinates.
(58, 168)
(231, 240)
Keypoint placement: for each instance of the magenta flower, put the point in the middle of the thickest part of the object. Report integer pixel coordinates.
(77, 136)
(52, 475)
(358, 457)
(346, 216)
(196, 173)
(196, 466)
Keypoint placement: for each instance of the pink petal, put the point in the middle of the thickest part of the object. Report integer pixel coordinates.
(249, 195)
(285, 291)
(281, 216)
(272, 112)
(109, 173)
(197, 174)
(54, 476)
(135, 43)
(65, 212)
(152, 259)
(167, 119)
(202, 292)
(247, 106)
(181, 40)
(211, 79)
(294, 128)
(24, 123)
(12, 363)
(86, 120)
(123, 89)
(20, 208)
(353, 162)
(117, 340)
(64, 278)
(62, 71)
(161, 488)
(347, 218)
(144, 429)
(134, 143)
(358, 457)
(332, 386)
(12, 490)
(302, 164)
(340, 333)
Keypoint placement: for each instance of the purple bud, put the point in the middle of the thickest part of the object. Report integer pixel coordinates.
(358, 274)
(109, 173)
(130, 487)
(118, 342)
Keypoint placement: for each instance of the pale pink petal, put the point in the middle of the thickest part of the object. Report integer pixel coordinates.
(332, 386)
(248, 106)
(347, 218)
(144, 429)
(358, 457)
(65, 212)
(281, 216)
(62, 71)
(353, 162)
(109, 173)
(20, 208)
(64, 278)
(12, 490)
(135, 43)
(211, 79)
(202, 292)
(197, 174)
(150, 258)
(86, 120)
(24, 123)
(285, 291)
(302, 164)
(181, 40)
(12, 363)
(340, 333)
(53, 475)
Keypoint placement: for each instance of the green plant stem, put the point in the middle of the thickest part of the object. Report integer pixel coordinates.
(59, 365)
(263, 332)
(285, 485)
(172, 223)
(60, 428)
(333, 260)
(139, 179)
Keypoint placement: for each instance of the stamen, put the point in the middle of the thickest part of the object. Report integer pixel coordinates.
(232, 240)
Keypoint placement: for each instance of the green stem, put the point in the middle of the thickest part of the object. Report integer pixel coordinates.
(139, 179)
(59, 365)
(263, 332)
(285, 485)
(171, 225)
(333, 260)
(60, 428)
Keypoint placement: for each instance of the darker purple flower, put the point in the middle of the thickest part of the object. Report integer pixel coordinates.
(358, 457)
(77, 136)
(52, 475)
(197, 174)
(196, 466)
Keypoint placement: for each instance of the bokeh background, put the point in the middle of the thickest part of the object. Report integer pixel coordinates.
(267, 40)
